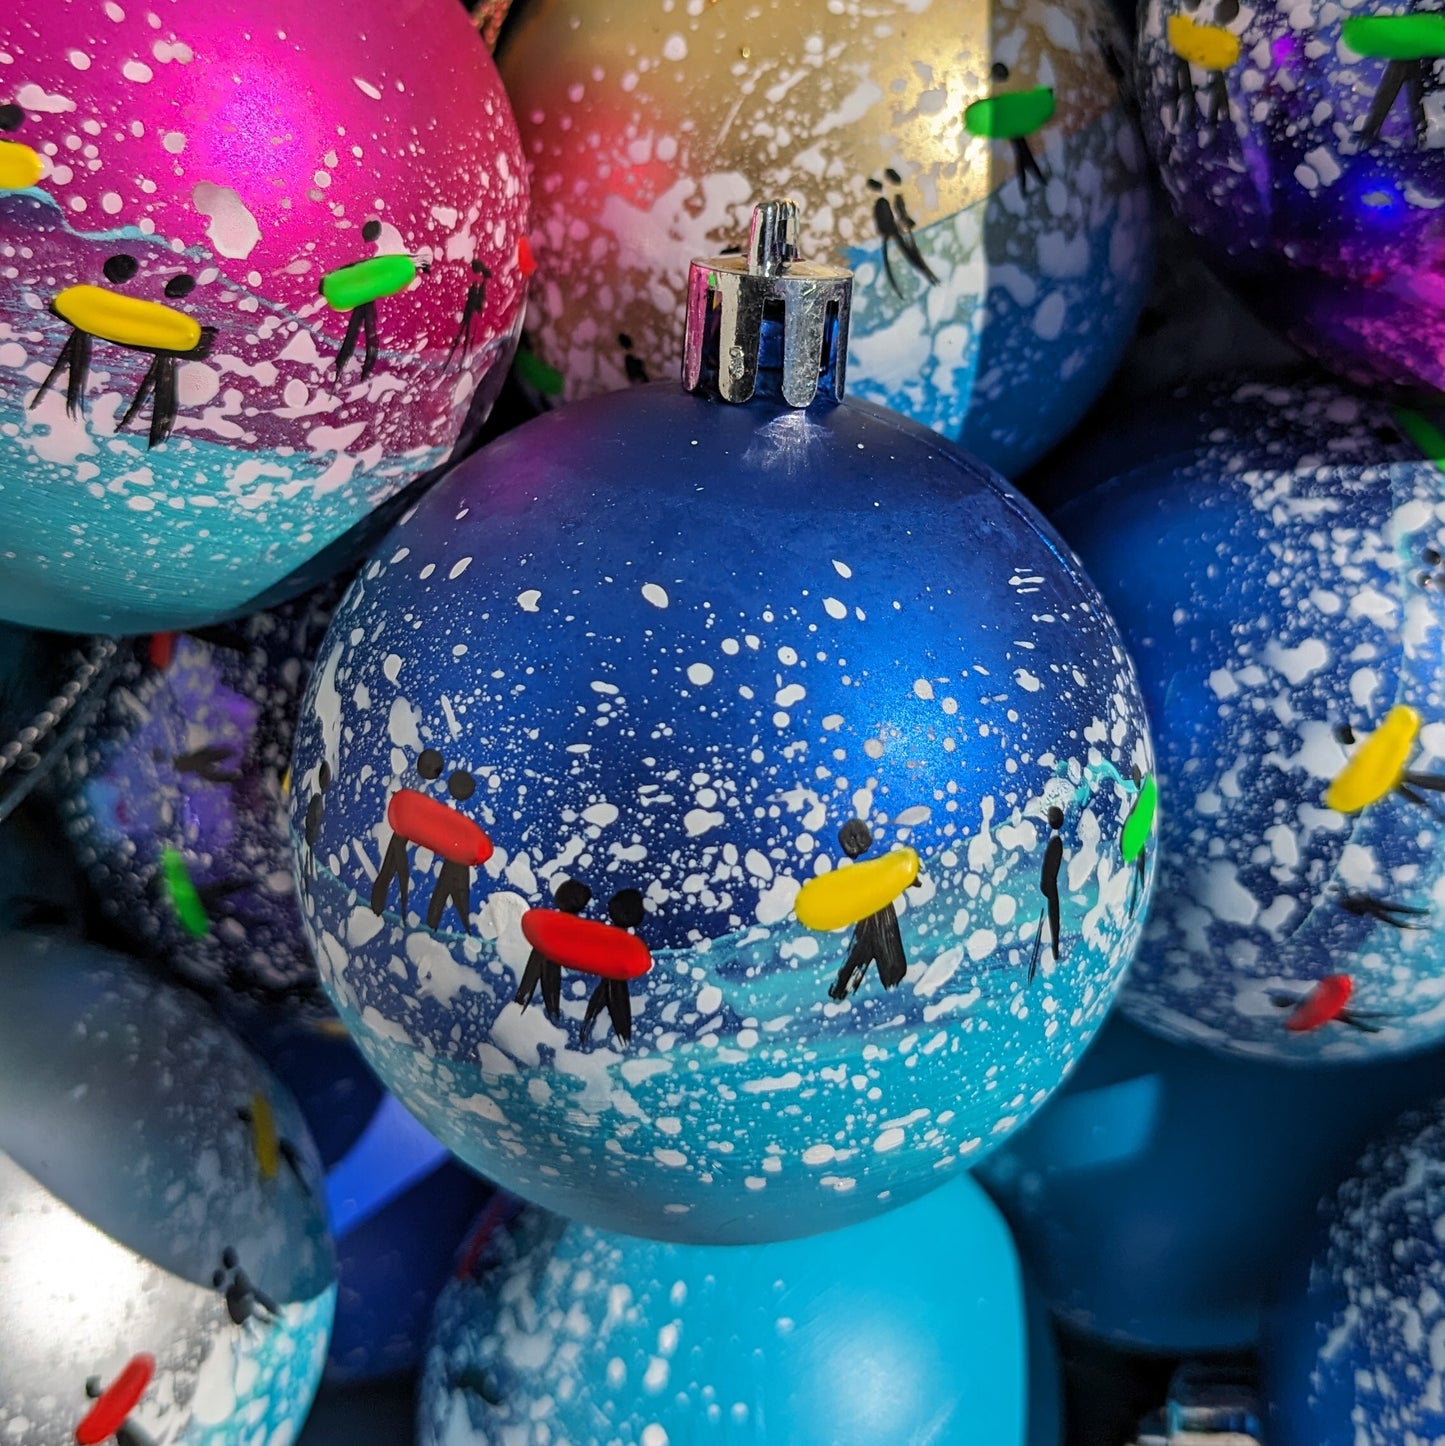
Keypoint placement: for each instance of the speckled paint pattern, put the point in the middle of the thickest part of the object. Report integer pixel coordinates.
(656, 643)
(1001, 258)
(1354, 1354)
(1279, 582)
(269, 260)
(555, 1332)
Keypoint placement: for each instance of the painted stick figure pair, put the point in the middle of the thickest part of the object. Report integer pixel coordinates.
(164, 333)
(865, 895)
(561, 938)
(418, 819)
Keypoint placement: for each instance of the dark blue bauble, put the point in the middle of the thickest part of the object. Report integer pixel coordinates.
(159, 1198)
(1159, 1193)
(1274, 558)
(653, 642)
(398, 1203)
(40, 885)
(49, 687)
(174, 799)
(912, 1328)
(1355, 1350)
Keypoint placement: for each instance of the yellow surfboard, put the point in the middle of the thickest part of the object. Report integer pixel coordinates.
(20, 167)
(263, 1130)
(1208, 46)
(1377, 763)
(844, 896)
(127, 320)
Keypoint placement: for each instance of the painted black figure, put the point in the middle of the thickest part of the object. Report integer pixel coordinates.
(315, 816)
(1326, 1002)
(450, 835)
(165, 334)
(245, 1301)
(1026, 163)
(361, 323)
(209, 763)
(472, 309)
(1215, 50)
(895, 225)
(876, 939)
(259, 1120)
(21, 166)
(214, 899)
(394, 866)
(1412, 784)
(454, 880)
(1049, 888)
(1134, 839)
(1415, 73)
(159, 385)
(625, 909)
(1368, 906)
(570, 896)
(633, 364)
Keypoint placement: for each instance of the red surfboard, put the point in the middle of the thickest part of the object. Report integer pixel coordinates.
(438, 827)
(162, 649)
(586, 945)
(116, 1402)
(1322, 1004)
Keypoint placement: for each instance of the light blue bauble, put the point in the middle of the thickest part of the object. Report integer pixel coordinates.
(1157, 1195)
(906, 1330)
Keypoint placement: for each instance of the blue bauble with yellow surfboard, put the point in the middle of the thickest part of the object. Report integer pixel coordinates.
(723, 794)
(1278, 567)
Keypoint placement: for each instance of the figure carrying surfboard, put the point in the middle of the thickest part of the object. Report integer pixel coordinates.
(862, 895)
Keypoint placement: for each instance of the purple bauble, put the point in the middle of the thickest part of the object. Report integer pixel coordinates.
(175, 800)
(1301, 144)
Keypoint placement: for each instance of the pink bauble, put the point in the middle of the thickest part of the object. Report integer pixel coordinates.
(200, 387)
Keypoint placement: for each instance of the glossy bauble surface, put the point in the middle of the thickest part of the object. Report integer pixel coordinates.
(907, 1329)
(973, 164)
(690, 656)
(261, 271)
(1353, 1352)
(1301, 144)
(175, 799)
(1274, 559)
(1157, 1197)
(162, 1229)
(399, 1203)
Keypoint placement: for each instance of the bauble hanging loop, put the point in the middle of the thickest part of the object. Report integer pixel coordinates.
(733, 302)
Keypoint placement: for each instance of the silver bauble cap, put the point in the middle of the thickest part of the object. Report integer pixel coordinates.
(730, 297)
